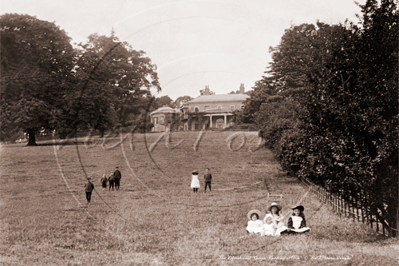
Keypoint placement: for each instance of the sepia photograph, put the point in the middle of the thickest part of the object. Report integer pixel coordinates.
(199, 132)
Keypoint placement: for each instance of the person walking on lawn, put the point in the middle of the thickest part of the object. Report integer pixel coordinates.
(88, 189)
(208, 179)
(117, 177)
(111, 180)
(104, 181)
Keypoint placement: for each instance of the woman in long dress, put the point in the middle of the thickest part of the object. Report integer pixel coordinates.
(195, 185)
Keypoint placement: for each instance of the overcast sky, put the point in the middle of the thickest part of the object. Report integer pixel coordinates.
(193, 42)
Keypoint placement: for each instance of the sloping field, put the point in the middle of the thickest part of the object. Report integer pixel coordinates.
(155, 218)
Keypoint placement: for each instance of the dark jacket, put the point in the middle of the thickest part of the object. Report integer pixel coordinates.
(89, 186)
(111, 179)
(208, 177)
(117, 174)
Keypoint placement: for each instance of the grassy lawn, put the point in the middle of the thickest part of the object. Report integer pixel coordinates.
(155, 218)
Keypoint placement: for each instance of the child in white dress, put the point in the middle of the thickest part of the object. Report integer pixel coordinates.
(195, 185)
(297, 222)
(254, 224)
(270, 226)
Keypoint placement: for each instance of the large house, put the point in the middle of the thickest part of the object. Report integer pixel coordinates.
(207, 111)
(165, 117)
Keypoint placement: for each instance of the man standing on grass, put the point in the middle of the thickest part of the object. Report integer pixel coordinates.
(89, 189)
(208, 179)
(118, 177)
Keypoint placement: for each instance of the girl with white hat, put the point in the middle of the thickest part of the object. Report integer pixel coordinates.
(195, 185)
(254, 224)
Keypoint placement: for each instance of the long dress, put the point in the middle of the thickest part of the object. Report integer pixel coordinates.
(195, 182)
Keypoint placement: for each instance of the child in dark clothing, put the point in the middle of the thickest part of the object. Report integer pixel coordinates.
(88, 189)
(111, 180)
(103, 181)
(297, 222)
(208, 179)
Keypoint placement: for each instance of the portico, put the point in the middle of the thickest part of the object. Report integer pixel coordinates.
(218, 115)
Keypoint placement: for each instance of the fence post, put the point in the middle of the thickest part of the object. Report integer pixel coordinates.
(326, 195)
(350, 205)
(383, 229)
(370, 211)
(361, 204)
(335, 202)
(340, 204)
(357, 208)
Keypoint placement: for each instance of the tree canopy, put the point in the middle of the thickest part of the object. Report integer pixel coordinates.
(181, 100)
(162, 101)
(48, 84)
(36, 61)
(328, 106)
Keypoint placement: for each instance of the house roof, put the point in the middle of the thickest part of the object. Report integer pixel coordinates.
(165, 110)
(220, 98)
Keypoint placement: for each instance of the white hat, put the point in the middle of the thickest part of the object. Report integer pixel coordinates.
(252, 212)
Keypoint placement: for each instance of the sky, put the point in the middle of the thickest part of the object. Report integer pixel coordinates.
(193, 43)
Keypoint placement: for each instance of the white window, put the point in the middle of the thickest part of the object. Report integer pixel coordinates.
(242, 107)
(219, 108)
(155, 120)
(196, 109)
(232, 107)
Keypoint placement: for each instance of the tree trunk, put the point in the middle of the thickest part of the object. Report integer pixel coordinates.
(31, 138)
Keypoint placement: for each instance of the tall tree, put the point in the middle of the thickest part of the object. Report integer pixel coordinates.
(181, 100)
(36, 62)
(162, 101)
(301, 53)
(352, 122)
(114, 67)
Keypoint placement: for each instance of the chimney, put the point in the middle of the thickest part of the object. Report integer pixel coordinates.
(207, 91)
(242, 89)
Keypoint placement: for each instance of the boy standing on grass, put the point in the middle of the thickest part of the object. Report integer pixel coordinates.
(117, 177)
(89, 189)
(111, 180)
(208, 179)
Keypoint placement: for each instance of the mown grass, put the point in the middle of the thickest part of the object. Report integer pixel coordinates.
(155, 219)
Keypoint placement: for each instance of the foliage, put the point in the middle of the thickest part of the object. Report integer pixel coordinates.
(277, 115)
(122, 76)
(352, 109)
(337, 121)
(162, 101)
(47, 84)
(36, 60)
(178, 103)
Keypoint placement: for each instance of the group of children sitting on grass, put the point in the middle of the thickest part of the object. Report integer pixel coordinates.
(273, 225)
